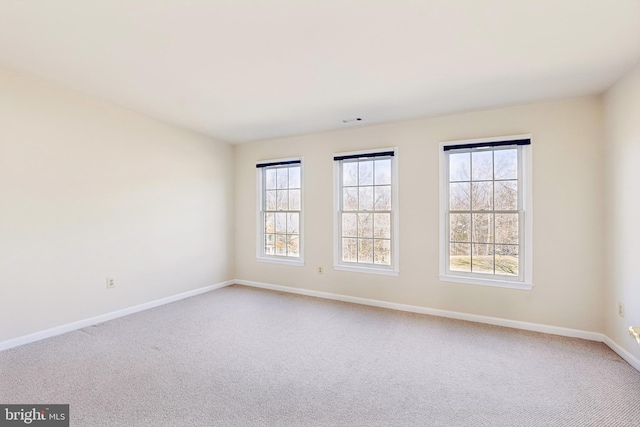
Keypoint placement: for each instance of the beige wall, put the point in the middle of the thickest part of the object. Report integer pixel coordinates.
(622, 125)
(568, 213)
(87, 191)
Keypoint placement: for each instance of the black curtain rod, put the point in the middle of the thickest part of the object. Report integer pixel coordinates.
(288, 162)
(487, 144)
(359, 156)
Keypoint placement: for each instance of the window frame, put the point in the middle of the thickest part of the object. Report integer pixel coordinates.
(338, 264)
(261, 256)
(524, 280)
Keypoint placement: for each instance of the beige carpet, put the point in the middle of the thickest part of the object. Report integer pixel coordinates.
(248, 357)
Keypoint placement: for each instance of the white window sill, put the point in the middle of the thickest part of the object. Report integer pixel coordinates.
(487, 282)
(281, 261)
(368, 270)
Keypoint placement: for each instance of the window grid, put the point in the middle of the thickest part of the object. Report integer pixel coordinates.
(490, 228)
(281, 207)
(366, 211)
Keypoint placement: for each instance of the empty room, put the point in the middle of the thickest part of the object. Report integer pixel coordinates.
(320, 213)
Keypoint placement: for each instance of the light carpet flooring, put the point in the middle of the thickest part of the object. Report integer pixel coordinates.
(239, 356)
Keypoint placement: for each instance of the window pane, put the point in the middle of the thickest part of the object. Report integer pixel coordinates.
(350, 250)
(282, 210)
(485, 181)
(460, 256)
(460, 167)
(506, 197)
(482, 228)
(350, 199)
(349, 225)
(382, 172)
(459, 196)
(460, 227)
(294, 200)
(294, 177)
(293, 246)
(382, 252)
(281, 244)
(350, 173)
(270, 200)
(365, 198)
(365, 172)
(382, 225)
(269, 223)
(506, 228)
(282, 178)
(365, 251)
(283, 200)
(507, 259)
(281, 222)
(482, 165)
(365, 225)
(382, 198)
(270, 179)
(293, 223)
(481, 196)
(482, 258)
(506, 164)
(366, 188)
(270, 244)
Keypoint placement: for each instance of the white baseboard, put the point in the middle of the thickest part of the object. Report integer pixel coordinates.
(58, 330)
(536, 327)
(554, 330)
(633, 361)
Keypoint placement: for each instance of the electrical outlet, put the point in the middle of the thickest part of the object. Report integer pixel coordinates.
(320, 270)
(620, 309)
(111, 283)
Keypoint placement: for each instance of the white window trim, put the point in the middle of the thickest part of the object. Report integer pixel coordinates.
(526, 187)
(275, 259)
(394, 269)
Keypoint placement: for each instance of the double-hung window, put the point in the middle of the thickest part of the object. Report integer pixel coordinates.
(485, 213)
(280, 211)
(366, 222)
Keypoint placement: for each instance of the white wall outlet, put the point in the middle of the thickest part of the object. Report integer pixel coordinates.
(111, 283)
(320, 270)
(620, 309)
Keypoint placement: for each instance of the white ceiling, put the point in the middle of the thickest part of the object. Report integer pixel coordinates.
(247, 70)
